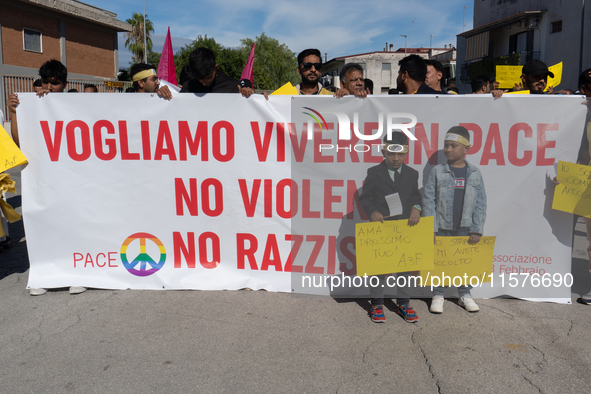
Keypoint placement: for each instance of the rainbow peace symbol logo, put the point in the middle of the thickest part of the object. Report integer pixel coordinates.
(139, 265)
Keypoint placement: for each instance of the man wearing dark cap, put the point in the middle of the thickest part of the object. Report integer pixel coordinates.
(535, 76)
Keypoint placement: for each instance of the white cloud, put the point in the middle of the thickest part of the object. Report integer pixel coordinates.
(339, 28)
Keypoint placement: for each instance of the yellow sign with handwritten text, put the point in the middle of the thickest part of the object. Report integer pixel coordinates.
(455, 258)
(508, 76)
(573, 194)
(393, 246)
(10, 154)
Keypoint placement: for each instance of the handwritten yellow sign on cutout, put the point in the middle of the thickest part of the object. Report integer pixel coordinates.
(393, 246)
(456, 258)
(573, 194)
(10, 154)
(557, 71)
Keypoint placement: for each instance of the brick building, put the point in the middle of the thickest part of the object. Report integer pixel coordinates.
(82, 37)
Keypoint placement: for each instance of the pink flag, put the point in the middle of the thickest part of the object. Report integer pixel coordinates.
(247, 72)
(166, 70)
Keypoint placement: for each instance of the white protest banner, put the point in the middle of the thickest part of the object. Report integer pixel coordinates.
(222, 192)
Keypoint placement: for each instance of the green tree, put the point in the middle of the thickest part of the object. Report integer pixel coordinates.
(135, 37)
(154, 58)
(274, 63)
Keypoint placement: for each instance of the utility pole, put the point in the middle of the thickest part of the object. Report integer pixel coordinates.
(464, 18)
(404, 35)
(582, 36)
(431, 45)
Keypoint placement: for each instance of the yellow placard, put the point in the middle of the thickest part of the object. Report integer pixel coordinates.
(286, 90)
(519, 92)
(10, 154)
(507, 76)
(557, 71)
(455, 258)
(573, 194)
(393, 246)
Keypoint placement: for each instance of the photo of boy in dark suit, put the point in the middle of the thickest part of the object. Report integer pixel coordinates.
(389, 177)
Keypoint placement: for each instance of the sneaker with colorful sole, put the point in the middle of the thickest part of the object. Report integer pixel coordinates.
(377, 314)
(407, 313)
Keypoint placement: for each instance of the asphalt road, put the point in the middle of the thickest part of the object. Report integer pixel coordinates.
(114, 341)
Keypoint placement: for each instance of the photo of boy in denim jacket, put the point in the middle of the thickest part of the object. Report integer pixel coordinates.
(455, 196)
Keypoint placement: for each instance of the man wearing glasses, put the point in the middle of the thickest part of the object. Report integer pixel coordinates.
(309, 67)
(145, 80)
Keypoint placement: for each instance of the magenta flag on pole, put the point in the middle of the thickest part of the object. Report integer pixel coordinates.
(166, 70)
(247, 72)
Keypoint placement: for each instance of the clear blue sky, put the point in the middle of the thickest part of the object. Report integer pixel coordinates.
(338, 28)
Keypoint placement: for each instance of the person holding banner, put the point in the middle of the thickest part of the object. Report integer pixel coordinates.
(584, 156)
(412, 75)
(455, 196)
(535, 76)
(391, 177)
(352, 81)
(5, 239)
(309, 67)
(145, 80)
(434, 75)
(480, 85)
(54, 77)
(208, 78)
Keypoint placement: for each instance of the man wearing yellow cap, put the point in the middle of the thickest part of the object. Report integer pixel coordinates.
(145, 80)
(455, 197)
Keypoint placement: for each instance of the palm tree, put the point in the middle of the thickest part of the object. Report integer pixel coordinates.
(135, 38)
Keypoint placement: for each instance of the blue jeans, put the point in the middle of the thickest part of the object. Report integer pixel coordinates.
(461, 232)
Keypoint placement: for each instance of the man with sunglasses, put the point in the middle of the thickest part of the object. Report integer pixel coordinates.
(309, 67)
